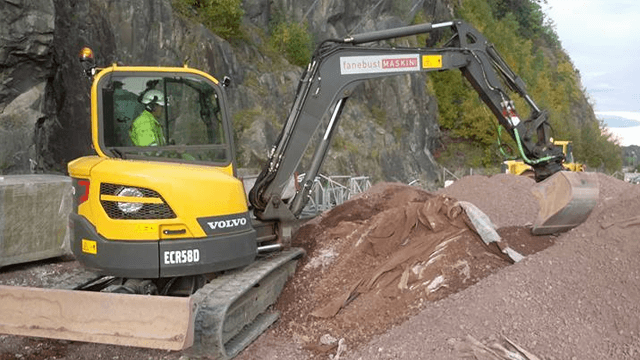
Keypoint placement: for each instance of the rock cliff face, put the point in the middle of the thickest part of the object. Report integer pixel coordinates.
(26, 38)
(388, 129)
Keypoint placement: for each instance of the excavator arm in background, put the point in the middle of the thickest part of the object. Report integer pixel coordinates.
(339, 65)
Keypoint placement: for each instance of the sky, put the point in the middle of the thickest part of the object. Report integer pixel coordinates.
(602, 38)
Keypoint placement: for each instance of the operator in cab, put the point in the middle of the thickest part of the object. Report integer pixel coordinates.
(146, 129)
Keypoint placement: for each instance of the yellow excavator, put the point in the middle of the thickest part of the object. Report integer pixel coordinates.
(519, 167)
(179, 255)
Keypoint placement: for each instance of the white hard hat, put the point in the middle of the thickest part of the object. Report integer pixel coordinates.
(153, 97)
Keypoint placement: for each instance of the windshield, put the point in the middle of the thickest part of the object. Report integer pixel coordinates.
(167, 116)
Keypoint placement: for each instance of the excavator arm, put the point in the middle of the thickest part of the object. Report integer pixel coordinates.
(340, 65)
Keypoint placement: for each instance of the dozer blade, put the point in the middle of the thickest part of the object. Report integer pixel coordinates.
(566, 200)
(218, 321)
(134, 320)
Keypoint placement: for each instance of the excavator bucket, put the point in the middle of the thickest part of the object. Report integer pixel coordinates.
(566, 200)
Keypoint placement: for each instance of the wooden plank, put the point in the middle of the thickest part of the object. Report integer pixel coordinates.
(159, 322)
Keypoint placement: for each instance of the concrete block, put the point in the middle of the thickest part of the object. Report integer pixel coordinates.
(34, 212)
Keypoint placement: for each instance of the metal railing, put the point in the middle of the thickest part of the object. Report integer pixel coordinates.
(330, 191)
(448, 177)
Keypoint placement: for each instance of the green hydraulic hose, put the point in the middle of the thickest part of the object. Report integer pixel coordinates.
(520, 149)
(524, 157)
(504, 155)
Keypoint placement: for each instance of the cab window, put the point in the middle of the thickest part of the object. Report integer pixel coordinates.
(168, 117)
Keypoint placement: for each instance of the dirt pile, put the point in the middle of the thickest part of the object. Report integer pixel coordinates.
(381, 257)
(576, 300)
(505, 198)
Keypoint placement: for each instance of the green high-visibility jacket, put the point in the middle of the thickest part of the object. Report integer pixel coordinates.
(146, 131)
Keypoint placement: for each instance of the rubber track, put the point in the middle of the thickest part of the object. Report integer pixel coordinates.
(231, 309)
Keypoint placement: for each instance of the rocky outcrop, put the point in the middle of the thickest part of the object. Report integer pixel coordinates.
(25, 54)
(338, 18)
(388, 129)
(26, 63)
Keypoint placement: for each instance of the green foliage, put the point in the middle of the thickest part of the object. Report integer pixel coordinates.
(532, 21)
(243, 119)
(528, 14)
(517, 29)
(461, 110)
(460, 154)
(294, 40)
(379, 115)
(223, 17)
(598, 148)
(375, 154)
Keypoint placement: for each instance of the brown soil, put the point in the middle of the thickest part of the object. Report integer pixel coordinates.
(578, 299)
(367, 281)
(382, 257)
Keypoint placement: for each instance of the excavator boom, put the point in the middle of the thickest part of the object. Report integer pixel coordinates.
(339, 65)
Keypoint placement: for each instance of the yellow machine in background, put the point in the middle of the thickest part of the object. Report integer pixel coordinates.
(569, 162)
(519, 167)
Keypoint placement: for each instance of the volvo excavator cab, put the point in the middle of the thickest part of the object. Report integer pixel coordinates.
(174, 206)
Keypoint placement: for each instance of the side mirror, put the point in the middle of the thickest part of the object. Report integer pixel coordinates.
(226, 81)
